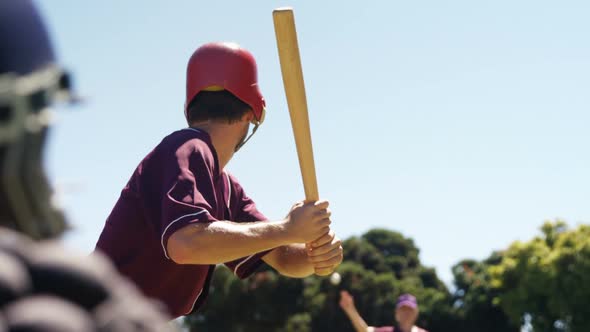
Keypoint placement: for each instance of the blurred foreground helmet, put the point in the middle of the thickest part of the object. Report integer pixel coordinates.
(30, 81)
(43, 287)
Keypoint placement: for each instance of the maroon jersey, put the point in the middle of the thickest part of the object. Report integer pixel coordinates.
(392, 329)
(177, 184)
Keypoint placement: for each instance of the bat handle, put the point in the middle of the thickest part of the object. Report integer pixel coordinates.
(308, 245)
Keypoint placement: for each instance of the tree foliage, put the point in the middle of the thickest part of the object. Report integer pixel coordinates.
(545, 282)
(547, 279)
(378, 266)
(473, 303)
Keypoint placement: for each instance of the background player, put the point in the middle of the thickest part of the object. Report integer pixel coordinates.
(406, 314)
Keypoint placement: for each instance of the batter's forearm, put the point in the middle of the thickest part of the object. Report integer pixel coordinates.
(224, 241)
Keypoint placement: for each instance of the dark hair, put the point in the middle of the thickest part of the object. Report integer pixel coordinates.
(220, 105)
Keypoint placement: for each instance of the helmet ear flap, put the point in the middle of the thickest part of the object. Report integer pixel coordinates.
(262, 116)
(239, 146)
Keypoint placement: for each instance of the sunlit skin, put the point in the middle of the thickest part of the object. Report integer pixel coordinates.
(406, 317)
(226, 136)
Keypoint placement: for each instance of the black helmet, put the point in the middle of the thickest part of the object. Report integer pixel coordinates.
(30, 80)
(44, 287)
(24, 41)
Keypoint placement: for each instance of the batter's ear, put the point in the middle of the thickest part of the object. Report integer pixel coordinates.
(248, 116)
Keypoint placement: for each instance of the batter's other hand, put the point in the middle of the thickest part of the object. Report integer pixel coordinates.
(325, 253)
(307, 221)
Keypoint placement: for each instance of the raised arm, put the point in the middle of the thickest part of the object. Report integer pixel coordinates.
(347, 304)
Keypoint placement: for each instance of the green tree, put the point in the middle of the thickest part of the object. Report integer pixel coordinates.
(382, 264)
(474, 304)
(547, 279)
(298, 323)
(379, 266)
(263, 302)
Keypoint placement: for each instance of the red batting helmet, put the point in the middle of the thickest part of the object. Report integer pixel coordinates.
(224, 66)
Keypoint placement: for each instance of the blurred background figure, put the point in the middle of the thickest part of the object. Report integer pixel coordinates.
(42, 286)
(406, 314)
(30, 81)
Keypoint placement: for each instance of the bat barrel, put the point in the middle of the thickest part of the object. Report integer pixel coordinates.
(286, 34)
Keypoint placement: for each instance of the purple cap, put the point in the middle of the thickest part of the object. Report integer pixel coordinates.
(406, 300)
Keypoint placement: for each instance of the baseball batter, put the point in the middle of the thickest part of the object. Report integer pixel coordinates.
(181, 213)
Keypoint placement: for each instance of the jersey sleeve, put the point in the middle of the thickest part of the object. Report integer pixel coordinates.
(380, 329)
(245, 211)
(188, 191)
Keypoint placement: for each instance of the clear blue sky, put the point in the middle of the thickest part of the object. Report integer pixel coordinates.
(462, 124)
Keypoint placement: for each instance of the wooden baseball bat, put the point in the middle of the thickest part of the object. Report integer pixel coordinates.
(290, 60)
(284, 22)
